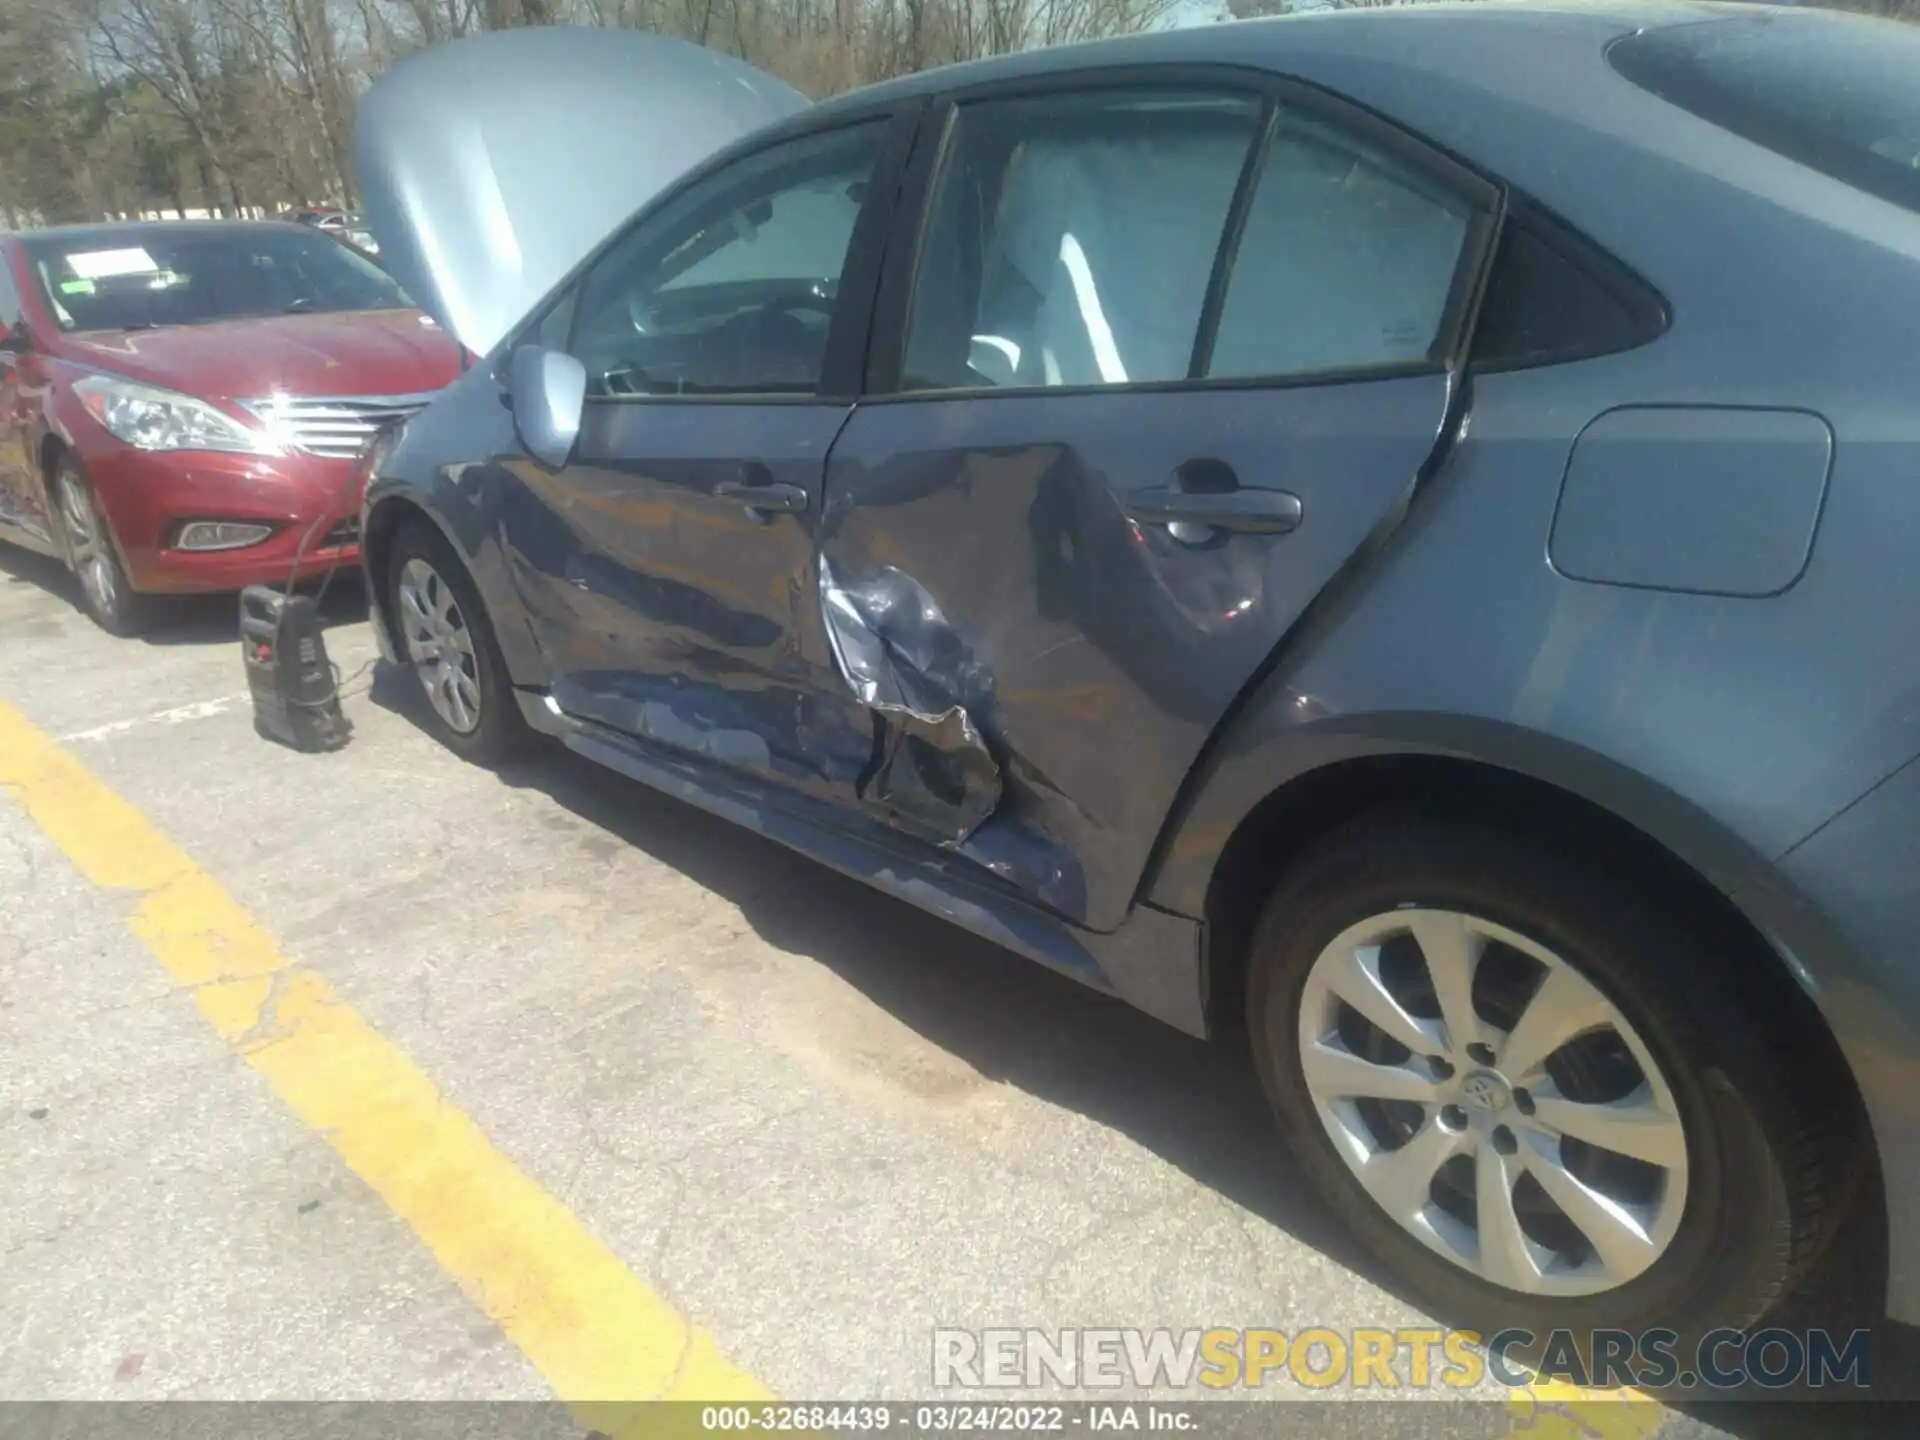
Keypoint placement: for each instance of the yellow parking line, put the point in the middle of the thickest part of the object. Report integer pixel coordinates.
(593, 1329)
(596, 1332)
(1559, 1410)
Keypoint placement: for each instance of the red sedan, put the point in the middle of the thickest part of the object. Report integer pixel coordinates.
(181, 403)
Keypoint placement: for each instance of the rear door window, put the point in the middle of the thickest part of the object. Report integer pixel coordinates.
(1122, 237)
(1347, 259)
(1072, 238)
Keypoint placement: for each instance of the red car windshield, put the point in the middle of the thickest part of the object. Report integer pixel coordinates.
(142, 277)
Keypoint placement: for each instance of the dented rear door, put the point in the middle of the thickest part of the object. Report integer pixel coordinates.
(1174, 352)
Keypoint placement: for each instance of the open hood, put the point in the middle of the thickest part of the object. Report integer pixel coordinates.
(491, 165)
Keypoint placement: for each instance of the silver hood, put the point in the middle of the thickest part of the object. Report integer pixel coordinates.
(490, 166)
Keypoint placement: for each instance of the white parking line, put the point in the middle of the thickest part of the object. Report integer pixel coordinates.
(179, 715)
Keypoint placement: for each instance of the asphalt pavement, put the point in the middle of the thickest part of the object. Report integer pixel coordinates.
(374, 1076)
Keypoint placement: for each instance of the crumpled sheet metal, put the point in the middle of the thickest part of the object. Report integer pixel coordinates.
(932, 768)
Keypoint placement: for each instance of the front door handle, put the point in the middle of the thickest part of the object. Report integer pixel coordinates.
(763, 499)
(1253, 512)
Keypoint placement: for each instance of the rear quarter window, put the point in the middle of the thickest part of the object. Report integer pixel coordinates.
(1554, 296)
(1838, 93)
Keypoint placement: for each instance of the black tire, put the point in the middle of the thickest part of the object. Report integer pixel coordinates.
(108, 598)
(501, 731)
(1761, 1183)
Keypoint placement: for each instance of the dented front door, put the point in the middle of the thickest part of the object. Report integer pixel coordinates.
(671, 609)
(1117, 471)
(668, 568)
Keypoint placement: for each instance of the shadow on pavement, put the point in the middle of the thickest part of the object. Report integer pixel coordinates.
(184, 619)
(1196, 1104)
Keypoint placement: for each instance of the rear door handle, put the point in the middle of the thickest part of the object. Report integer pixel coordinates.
(767, 499)
(1253, 512)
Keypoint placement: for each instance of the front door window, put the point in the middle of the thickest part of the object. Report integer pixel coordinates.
(730, 289)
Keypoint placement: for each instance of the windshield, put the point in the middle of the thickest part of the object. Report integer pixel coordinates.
(147, 276)
(1839, 95)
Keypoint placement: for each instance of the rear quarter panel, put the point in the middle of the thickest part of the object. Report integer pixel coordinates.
(1730, 729)
(1787, 289)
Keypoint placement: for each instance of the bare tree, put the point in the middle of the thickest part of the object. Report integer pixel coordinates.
(118, 106)
(178, 49)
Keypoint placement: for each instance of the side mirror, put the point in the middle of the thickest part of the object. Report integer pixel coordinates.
(549, 392)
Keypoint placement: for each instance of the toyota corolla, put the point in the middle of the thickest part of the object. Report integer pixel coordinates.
(1391, 529)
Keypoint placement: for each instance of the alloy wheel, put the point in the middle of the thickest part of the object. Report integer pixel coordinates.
(1493, 1102)
(439, 645)
(87, 544)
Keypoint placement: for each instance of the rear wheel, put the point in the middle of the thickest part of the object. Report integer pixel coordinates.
(1532, 1096)
(447, 641)
(105, 592)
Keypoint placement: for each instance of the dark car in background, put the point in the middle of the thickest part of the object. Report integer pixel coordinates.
(181, 403)
(1388, 528)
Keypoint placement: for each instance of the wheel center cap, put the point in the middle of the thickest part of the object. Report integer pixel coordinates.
(1484, 1090)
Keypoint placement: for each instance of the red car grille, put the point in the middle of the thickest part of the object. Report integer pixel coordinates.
(337, 426)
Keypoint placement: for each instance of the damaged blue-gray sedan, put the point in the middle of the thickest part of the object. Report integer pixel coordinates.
(1394, 530)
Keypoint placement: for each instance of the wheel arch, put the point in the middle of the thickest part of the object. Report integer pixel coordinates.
(52, 447)
(1806, 985)
(386, 514)
(46, 455)
(465, 520)
(1287, 819)
(1537, 787)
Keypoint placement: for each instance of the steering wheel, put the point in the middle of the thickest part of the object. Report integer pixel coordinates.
(621, 381)
(806, 300)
